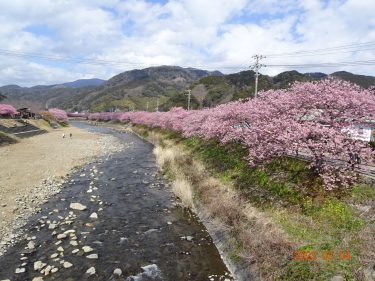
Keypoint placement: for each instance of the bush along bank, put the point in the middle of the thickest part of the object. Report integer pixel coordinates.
(272, 222)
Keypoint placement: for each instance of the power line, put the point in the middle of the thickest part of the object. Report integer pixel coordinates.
(329, 49)
(68, 59)
(111, 63)
(326, 64)
(323, 54)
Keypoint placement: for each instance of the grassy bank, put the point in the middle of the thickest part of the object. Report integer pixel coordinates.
(278, 215)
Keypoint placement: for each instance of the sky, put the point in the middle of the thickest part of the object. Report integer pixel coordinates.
(55, 41)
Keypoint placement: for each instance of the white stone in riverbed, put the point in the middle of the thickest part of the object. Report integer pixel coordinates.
(117, 272)
(55, 269)
(20, 270)
(39, 265)
(67, 264)
(31, 245)
(55, 255)
(37, 279)
(77, 206)
(94, 216)
(91, 271)
(92, 256)
(87, 249)
(52, 226)
(61, 236)
(60, 249)
(47, 270)
(75, 251)
(74, 243)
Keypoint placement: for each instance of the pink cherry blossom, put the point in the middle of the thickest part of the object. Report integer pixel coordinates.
(307, 119)
(7, 109)
(59, 114)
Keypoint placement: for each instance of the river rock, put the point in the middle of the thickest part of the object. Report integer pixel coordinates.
(92, 256)
(67, 264)
(87, 249)
(20, 270)
(38, 265)
(55, 255)
(31, 245)
(47, 270)
(189, 238)
(94, 216)
(37, 279)
(52, 226)
(117, 272)
(91, 271)
(77, 206)
(60, 249)
(55, 269)
(74, 243)
(61, 236)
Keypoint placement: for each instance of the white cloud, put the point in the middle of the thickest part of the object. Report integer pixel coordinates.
(208, 34)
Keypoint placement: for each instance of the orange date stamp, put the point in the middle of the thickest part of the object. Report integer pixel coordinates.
(329, 255)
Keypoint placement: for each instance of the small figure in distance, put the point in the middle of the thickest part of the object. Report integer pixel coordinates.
(70, 135)
(63, 135)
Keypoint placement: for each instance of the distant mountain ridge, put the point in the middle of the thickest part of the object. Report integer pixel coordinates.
(84, 83)
(143, 89)
(138, 89)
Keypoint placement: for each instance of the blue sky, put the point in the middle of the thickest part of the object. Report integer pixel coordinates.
(47, 41)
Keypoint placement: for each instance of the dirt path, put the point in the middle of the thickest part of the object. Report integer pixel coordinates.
(32, 170)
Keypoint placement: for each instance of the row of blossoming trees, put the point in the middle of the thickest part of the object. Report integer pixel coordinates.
(56, 114)
(308, 118)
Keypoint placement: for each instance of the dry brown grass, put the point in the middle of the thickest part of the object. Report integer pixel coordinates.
(184, 190)
(262, 241)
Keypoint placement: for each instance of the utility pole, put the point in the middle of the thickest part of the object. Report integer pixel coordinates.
(256, 67)
(157, 104)
(189, 98)
(147, 106)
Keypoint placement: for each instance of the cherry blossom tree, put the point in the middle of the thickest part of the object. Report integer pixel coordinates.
(7, 109)
(58, 114)
(308, 119)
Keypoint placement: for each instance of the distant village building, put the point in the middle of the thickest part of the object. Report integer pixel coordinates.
(364, 132)
(25, 113)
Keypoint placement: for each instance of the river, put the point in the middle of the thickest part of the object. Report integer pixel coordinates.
(131, 229)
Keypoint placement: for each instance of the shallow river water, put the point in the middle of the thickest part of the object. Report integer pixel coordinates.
(138, 232)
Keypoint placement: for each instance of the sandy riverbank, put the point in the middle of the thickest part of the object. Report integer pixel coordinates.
(33, 170)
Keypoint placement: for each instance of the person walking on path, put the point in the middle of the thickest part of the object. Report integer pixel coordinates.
(70, 135)
(63, 135)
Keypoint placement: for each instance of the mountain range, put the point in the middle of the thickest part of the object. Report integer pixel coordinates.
(144, 89)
